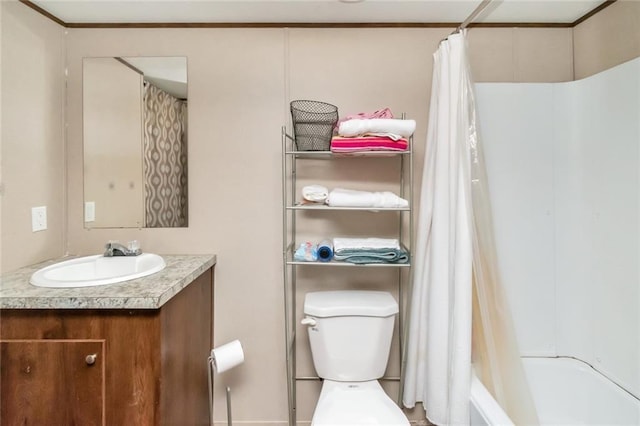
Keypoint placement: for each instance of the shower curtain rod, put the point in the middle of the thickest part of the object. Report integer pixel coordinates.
(473, 15)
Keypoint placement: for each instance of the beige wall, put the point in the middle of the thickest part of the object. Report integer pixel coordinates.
(607, 39)
(236, 102)
(240, 83)
(33, 149)
(521, 54)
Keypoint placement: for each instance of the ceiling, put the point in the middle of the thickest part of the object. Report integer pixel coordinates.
(87, 12)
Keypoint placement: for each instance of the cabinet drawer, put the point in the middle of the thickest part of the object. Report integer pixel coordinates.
(52, 382)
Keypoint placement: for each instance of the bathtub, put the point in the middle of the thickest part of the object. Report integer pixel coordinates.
(566, 391)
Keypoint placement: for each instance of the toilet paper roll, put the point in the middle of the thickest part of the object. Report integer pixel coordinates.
(325, 251)
(227, 356)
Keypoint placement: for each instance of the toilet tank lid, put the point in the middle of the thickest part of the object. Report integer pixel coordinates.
(350, 303)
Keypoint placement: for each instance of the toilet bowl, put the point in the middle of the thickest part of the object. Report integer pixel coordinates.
(350, 336)
(356, 403)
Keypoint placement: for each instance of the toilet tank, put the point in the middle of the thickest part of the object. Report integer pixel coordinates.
(350, 333)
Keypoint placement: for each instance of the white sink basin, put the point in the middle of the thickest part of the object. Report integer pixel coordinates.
(97, 270)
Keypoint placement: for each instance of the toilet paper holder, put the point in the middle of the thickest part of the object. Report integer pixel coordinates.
(211, 370)
(228, 391)
(221, 359)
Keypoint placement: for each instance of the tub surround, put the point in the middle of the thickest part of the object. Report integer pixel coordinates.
(150, 292)
(566, 391)
(129, 353)
(569, 242)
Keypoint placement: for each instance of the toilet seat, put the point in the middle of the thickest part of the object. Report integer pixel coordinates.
(356, 403)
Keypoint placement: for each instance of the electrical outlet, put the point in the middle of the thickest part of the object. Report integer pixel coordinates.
(38, 218)
(90, 211)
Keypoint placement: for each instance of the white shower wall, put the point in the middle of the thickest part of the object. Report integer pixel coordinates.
(563, 162)
(516, 126)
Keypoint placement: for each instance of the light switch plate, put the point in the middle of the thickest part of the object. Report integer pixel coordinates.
(90, 211)
(38, 218)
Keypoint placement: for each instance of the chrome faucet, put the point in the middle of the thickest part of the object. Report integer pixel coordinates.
(114, 248)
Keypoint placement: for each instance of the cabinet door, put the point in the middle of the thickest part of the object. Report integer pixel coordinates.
(51, 382)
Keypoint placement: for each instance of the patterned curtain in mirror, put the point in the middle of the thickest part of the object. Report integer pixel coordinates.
(165, 159)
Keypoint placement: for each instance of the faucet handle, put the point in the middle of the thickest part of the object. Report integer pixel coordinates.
(133, 248)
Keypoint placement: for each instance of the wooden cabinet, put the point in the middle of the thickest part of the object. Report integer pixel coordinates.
(150, 366)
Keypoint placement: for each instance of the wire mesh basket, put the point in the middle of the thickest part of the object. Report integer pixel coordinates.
(313, 124)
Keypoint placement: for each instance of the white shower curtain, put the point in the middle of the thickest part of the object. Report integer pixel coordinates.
(438, 363)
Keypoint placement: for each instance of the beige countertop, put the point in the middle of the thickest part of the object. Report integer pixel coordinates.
(150, 292)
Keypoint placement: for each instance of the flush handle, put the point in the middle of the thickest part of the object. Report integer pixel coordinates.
(308, 321)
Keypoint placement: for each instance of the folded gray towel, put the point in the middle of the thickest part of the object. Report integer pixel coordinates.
(363, 256)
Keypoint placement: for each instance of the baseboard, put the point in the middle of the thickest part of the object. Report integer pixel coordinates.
(299, 423)
(257, 423)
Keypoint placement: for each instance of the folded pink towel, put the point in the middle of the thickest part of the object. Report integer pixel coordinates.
(368, 143)
(381, 113)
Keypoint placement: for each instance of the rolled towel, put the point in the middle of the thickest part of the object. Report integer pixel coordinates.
(340, 244)
(315, 193)
(341, 197)
(350, 128)
(325, 251)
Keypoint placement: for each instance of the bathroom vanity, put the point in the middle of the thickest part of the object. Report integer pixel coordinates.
(133, 353)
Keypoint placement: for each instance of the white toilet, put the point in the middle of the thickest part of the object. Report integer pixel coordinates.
(350, 334)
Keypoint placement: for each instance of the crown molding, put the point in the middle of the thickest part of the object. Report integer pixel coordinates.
(59, 21)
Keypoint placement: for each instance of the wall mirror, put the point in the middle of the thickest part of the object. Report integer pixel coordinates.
(135, 142)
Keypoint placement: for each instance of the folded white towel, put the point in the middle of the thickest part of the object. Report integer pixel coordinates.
(315, 193)
(392, 136)
(351, 128)
(365, 243)
(340, 197)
